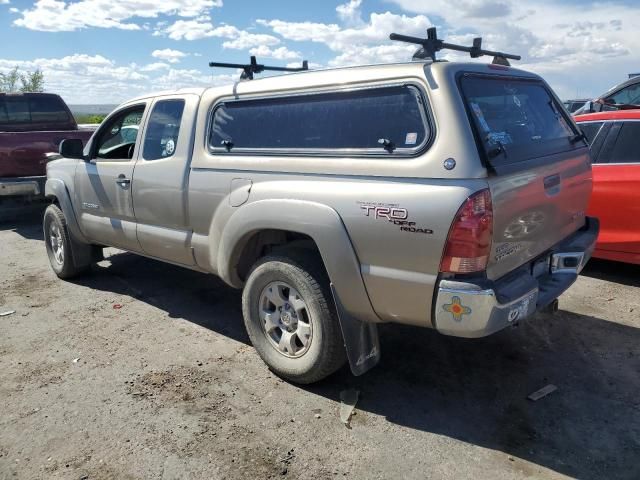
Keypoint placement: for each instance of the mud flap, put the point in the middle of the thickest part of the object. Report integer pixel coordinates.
(360, 339)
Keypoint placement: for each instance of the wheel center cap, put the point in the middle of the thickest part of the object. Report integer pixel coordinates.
(286, 318)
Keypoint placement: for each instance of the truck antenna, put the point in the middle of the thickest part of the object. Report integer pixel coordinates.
(432, 44)
(248, 70)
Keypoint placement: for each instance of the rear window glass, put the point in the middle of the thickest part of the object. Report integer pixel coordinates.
(516, 120)
(361, 119)
(21, 109)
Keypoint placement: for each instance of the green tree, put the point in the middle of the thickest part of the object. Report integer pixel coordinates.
(31, 81)
(9, 81)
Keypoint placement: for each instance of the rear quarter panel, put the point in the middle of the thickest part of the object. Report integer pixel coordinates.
(397, 227)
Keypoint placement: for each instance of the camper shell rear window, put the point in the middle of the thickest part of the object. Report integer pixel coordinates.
(516, 119)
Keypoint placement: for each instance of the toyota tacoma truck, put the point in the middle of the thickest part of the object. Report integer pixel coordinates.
(443, 195)
(32, 125)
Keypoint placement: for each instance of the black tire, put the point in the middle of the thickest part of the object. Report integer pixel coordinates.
(325, 353)
(63, 266)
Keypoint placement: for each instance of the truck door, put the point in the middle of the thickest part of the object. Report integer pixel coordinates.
(161, 178)
(104, 182)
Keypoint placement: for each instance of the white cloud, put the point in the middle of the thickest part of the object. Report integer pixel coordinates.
(181, 78)
(249, 40)
(281, 53)
(350, 13)
(154, 67)
(578, 47)
(56, 15)
(82, 79)
(187, 29)
(302, 31)
(169, 55)
(375, 54)
(202, 28)
(377, 30)
(4, 2)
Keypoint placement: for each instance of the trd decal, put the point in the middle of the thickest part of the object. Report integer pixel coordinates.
(390, 213)
(456, 308)
(393, 213)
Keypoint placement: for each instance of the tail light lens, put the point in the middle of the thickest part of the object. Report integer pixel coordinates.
(469, 242)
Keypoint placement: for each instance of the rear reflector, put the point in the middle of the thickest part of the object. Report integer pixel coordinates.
(469, 241)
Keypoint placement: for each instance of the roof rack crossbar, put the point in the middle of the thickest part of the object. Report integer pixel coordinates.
(432, 44)
(248, 70)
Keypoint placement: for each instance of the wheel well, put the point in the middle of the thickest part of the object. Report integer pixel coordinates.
(270, 241)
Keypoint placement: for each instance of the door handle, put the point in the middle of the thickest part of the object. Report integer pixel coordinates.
(122, 181)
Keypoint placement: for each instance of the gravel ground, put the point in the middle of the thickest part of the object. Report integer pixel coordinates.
(143, 370)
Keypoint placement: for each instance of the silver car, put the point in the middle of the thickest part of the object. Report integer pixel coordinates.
(442, 195)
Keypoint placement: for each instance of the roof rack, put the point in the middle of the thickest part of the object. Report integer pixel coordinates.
(432, 44)
(254, 67)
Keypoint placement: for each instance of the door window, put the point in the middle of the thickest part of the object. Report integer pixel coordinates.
(161, 135)
(366, 120)
(626, 148)
(117, 139)
(590, 130)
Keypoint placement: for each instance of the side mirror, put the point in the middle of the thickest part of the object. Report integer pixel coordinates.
(71, 148)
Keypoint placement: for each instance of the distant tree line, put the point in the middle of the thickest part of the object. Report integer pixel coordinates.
(17, 81)
(88, 118)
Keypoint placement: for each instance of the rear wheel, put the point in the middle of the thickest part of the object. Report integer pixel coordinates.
(60, 245)
(291, 319)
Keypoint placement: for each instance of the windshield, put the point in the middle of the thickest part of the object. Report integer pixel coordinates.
(627, 96)
(516, 119)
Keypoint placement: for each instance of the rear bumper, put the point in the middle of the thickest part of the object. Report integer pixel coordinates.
(22, 186)
(480, 308)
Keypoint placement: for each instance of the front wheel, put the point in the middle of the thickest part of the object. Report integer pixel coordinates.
(291, 319)
(59, 245)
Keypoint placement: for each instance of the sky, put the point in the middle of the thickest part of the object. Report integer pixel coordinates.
(104, 52)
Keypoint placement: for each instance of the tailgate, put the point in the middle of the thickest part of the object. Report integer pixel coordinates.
(537, 208)
(540, 167)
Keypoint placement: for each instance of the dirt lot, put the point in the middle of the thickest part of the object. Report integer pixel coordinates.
(166, 386)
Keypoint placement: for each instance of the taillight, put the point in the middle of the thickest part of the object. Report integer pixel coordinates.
(469, 242)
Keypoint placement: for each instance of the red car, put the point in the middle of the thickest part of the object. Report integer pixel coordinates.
(614, 137)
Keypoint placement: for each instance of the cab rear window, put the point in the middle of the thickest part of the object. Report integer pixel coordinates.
(516, 119)
(26, 109)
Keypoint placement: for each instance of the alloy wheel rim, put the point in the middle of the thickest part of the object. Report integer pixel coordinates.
(56, 243)
(285, 319)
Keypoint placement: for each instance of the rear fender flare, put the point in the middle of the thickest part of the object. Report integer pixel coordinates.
(318, 221)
